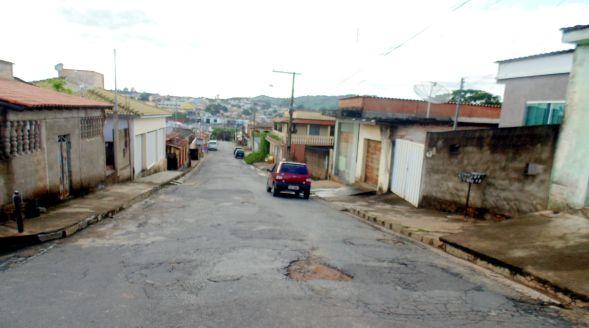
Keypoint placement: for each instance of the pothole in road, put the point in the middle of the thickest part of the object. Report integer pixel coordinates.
(312, 269)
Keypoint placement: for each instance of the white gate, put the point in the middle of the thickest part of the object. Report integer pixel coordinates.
(407, 168)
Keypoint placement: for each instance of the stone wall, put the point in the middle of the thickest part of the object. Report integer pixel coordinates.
(518, 162)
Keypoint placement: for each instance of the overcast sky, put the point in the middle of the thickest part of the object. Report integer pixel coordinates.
(230, 47)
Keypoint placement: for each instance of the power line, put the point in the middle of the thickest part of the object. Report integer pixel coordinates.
(393, 48)
(413, 36)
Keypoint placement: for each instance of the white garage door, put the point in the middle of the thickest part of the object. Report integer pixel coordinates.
(151, 148)
(407, 168)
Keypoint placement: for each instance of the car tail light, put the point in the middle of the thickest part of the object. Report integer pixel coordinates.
(279, 177)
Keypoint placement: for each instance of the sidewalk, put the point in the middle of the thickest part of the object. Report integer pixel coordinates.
(76, 214)
(552, 249)
(544, 251)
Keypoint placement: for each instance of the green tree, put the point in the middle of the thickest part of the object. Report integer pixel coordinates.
(474, 96)
(246, 112)
(227, 134)
(215, 109)
(144, 96)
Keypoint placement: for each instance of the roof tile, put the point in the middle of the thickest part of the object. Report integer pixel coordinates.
(30, 96)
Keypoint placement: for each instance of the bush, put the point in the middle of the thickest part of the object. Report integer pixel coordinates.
(255, 157)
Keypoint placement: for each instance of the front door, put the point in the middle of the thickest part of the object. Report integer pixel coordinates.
(65, 178)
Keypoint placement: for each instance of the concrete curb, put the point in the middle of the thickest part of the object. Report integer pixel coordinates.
(28, 240)
(565, 296)
(398, 228)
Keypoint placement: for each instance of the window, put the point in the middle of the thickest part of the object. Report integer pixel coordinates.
(314, 129)
(293, 168)
(539, 113)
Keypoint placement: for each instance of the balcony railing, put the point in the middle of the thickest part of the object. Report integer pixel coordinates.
(308, 140)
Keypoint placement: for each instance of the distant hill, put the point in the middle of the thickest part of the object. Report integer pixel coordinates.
(303, 102)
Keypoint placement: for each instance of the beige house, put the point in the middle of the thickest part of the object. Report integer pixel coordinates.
(51, 144)
(312, 140)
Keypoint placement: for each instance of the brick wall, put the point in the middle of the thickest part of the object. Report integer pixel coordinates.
(416, 108)
(504, 154)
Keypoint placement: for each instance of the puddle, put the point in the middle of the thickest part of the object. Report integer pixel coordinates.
(312, 269)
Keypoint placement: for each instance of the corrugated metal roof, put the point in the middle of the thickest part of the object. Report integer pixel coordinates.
(574, 28)
(30, 96)
(127, 105)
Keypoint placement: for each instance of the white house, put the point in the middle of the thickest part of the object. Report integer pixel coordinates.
(142, 135)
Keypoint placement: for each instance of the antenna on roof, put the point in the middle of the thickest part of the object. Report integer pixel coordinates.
(433, 93)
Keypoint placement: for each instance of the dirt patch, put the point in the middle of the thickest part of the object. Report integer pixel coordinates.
(312, 269)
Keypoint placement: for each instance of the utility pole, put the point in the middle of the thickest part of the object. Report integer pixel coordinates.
(116, 122)
(429, 98)
(290, 112)
(254, 131)
(458, 99)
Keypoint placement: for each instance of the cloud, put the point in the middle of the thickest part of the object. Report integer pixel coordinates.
(106, 18)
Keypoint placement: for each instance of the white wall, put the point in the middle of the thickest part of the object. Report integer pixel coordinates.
(536, 66)
(146, 124)
(109, 126)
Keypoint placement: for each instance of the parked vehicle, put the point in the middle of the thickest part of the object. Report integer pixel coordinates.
(239, 153)
(289, 176)
(236, 149)
(212, 145)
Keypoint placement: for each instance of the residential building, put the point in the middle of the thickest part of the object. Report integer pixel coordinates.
(178, 141)
(142, 141)
(252, 132)
(312, 140)
(535, 88)
(51, 144)
(379, 142)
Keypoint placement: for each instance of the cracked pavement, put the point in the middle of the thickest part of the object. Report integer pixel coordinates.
(213, 251)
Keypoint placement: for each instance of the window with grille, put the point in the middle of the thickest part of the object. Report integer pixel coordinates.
(91, 127)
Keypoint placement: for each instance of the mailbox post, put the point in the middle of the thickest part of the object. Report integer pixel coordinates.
(17, 201)
(470, 178)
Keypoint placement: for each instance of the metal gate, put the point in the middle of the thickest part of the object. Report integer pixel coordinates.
(372, 162)
(407, 168)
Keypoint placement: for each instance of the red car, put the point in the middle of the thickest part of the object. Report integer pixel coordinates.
(289, 176)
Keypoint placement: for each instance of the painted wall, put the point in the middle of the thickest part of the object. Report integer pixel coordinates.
(37, 175)
(520, 90)
(504, 154)
(571, 167)
(147, 124)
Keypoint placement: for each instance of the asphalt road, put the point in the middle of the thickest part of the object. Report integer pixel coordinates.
(214, 251)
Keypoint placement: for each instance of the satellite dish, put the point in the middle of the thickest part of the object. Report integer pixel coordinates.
(433, 93)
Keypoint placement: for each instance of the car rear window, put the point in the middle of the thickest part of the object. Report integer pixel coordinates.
(293, 169)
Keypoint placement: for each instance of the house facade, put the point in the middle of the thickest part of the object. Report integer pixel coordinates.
(142, 135)
(178, 141)
(52, 146)
(379, 142)
(312, 141)
(535, 88)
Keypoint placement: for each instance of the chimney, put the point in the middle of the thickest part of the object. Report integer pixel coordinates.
(5, 70)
